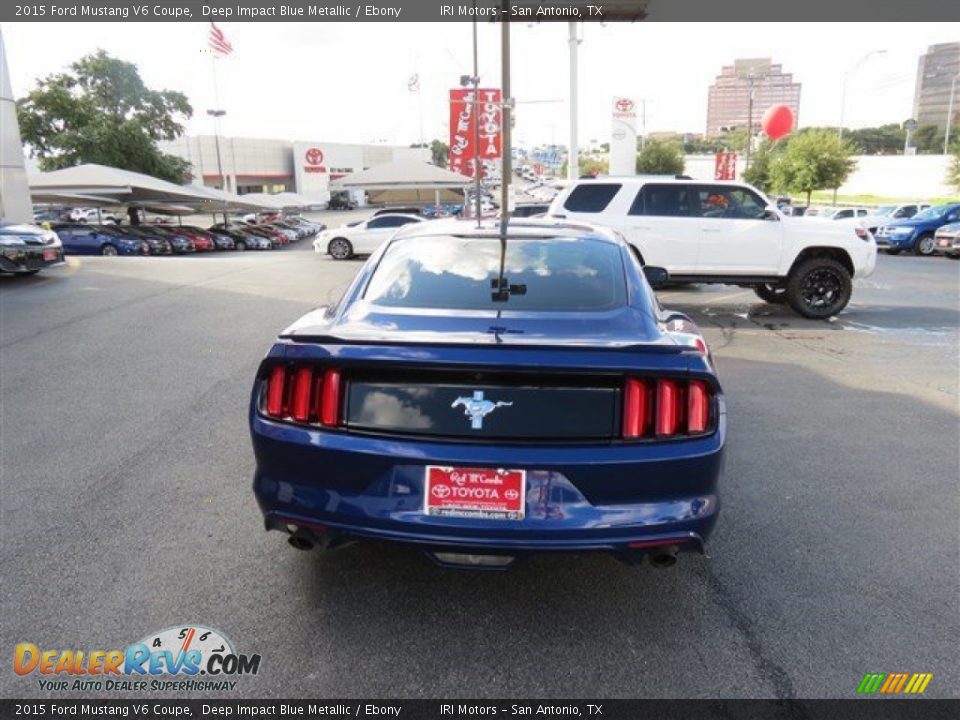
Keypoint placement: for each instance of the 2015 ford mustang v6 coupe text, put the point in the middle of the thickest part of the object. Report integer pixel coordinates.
(484, 397)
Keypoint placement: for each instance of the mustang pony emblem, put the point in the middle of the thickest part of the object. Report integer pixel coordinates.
(476, 408)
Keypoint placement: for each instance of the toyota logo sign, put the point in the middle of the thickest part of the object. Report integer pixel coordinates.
(314, 156)
(624, 104)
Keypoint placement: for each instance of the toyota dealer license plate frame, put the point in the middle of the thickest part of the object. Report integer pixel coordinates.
(470, 492)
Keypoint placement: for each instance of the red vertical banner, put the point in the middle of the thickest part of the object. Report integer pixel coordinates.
(726, 166)
(464, 153)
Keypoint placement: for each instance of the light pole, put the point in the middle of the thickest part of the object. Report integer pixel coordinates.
(573, 156)
(216, 115)
(946, 135)
(843, 91)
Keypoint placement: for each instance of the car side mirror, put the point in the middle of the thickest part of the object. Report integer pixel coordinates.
(771, 214)
(656, 276)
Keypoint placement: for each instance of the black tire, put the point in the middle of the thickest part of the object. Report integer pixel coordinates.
(240, 245)
(925, 245)
(773, 294)
(893, 251)
(340, 249)
(819, 288)
(108, 250)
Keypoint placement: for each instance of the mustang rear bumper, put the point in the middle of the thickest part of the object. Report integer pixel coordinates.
(616, 497)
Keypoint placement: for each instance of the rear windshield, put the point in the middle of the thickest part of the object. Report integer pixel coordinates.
(591, 197)
(558, 274)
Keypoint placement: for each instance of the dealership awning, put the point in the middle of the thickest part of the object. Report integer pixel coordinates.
(276, 202)
(121, 186)
(402, 175)
(223, 201)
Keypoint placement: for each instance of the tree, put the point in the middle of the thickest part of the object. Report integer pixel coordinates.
(815, 160)
(100, 111)
(883, 140)
(953, 174)
(759, 174)
(439, 151)
(660, 158)
(588, 166)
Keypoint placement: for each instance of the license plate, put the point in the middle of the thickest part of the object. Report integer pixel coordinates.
(943, 242)
(49, 255)
(486, 493)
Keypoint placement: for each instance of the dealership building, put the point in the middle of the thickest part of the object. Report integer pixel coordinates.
(271, 166)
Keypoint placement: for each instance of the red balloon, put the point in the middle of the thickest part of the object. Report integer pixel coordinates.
(777, 121)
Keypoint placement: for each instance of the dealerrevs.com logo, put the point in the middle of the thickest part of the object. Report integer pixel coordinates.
(188, 658)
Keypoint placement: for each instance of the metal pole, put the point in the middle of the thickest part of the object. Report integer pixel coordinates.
(746, 158)
(476, 121)
(505, 115)
(216, 138)
(843, 104)
(573, 154)
(946, 136)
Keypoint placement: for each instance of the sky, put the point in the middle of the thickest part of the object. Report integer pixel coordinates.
(347, 82)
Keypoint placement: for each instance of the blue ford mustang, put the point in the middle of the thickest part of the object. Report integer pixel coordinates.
(485, 398)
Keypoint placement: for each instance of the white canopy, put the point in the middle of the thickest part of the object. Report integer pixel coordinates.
(123, 186)
(222, 201)
(272, 202)
(404, 174)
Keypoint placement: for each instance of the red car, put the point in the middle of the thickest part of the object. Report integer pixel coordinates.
(201, 240)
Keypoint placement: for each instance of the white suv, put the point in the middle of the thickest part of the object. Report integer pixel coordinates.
(727, 232)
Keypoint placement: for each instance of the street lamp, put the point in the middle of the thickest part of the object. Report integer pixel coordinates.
(216, 115)
(946, 135)
(843, 91)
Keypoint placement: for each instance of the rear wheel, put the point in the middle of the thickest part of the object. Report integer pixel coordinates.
(240, 245)
(108, 251)
(819, 288)
(773, 294)
(925, 244)
(340, 249)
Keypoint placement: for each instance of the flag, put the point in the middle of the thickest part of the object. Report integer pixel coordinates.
(413, 84)
(218, 41)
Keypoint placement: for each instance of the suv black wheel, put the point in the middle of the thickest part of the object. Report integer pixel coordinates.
(773, 294)
(819, 288)
(925, 244)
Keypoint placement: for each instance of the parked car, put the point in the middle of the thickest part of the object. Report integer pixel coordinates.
(917, 233)
(948, 240)
(205, 240)
(587, 418)
(179, 243)
(727, 232)
(289, 234)
(883, 214)
(83, 239)
(156, 244)
(92, 215)
(361, 238)
(243, 240)
(843, 213)
(28, 249)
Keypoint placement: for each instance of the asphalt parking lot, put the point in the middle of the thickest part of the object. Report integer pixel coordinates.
(127, 506)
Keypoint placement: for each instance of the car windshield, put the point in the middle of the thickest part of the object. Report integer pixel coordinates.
(932, 213)
(545, 274)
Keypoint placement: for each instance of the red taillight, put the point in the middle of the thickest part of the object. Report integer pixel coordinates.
(303, 394)
(698, 407)
(666, 408)
(634, 408)
(300, 402)
(275, 387)
(330, 400)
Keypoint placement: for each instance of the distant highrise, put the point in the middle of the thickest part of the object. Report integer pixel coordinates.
(729, 96)
(935, 73)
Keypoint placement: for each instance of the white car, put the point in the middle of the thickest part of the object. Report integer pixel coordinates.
(844, 213)
(90, 215)
(727, 232)
(883, 214)
(360, 238)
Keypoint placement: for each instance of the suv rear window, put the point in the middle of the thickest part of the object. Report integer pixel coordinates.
(591, 197)
(560, 274)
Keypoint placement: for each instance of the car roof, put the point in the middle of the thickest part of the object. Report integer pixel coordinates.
(390, 215)
(519, 228)
(640, 179)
